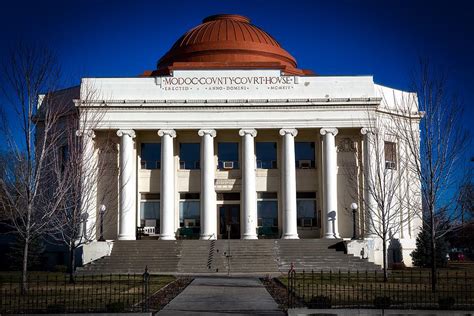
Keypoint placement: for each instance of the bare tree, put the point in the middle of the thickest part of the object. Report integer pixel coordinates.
(29, 195)
(434, 146)
(385, 212)
(76, 222)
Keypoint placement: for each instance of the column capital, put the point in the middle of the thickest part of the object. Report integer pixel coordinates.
(250, 131)
(169, 132)
(292, 131)
(129, 132)
(330, 130)
(368, 130)
(88, 132)
(211, 132)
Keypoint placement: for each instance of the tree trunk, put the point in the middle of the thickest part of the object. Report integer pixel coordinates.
(384, 251)
(24, 274)
(433, 255)
(72, 258)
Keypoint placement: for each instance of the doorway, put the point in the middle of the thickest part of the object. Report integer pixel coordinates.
(229, 214)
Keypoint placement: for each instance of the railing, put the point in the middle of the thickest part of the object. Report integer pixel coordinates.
(94, 293)
(410, 289)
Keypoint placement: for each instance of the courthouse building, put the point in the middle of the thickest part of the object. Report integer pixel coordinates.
(228, 138)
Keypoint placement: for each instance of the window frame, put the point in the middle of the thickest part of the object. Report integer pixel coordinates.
(158, 162)
(390, 162)
(312, 162)
(316, 218)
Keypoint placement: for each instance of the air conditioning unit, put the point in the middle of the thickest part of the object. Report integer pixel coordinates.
(306, 222)
(228, 164)
(390, 165)
(304, 164)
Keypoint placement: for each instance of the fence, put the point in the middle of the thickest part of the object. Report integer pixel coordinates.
(409, 289)
(95, 293)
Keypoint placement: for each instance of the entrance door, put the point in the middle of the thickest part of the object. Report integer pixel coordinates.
(229, 215)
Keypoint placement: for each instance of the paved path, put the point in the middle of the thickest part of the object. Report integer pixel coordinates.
(223, 296)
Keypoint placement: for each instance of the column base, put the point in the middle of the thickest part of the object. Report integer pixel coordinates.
(249, 237)
(329, 236)
(167, 237)
(208, 237)
(290, 236)
(126, 237)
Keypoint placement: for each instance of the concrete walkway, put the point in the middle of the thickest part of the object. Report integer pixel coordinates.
(223, 296)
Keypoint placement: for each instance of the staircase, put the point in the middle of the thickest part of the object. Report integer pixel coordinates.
(220, 257)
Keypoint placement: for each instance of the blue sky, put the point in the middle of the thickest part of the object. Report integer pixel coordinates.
(115, 38)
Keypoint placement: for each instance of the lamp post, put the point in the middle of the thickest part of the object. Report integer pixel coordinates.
(102, 213)
(354, 210)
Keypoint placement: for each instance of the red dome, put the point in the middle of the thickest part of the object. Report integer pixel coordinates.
(227, 41)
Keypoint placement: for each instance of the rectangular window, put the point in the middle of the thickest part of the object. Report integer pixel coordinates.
(267, 209)
(305, 155)
(266, 153)
(228, 154)
(307, 215)
(189, 210)
(150, 155)
(189, 155)
(390, 149)
(150, 213)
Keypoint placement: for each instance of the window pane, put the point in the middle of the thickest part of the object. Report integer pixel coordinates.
(189, 213)
(189, 155)
(266, 155)
(306, 212)
(305, 154)
(149, 210)
(390, 155)
(267, 213)
(228, 154)
(150, 155)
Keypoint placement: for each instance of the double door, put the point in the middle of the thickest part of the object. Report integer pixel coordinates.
(229, 221)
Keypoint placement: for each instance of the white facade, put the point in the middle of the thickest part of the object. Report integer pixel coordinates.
(336, 114)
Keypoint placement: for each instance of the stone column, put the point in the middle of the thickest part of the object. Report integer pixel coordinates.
(249, 188)
(370, 205)
(288, 178)
(330, 181)
(208, 192)
(167, 196)
(89, 185)
(128, 193)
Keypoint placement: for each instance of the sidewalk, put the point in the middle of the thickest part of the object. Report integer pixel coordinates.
(223, 296)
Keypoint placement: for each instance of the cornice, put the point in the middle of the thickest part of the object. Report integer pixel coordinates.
(228, 102)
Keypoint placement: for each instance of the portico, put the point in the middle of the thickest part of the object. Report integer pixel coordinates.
(240, 177)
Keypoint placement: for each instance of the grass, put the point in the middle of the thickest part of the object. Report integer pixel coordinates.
(52, 292)
(409, 288)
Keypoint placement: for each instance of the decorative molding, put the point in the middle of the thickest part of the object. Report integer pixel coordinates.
(329, 130)
(346, 145)
(129, 132)
(169, 132)
(368, 130)
(373, 101)
(250, 131)
(292, 131)
(211, 132)
(89, 133)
